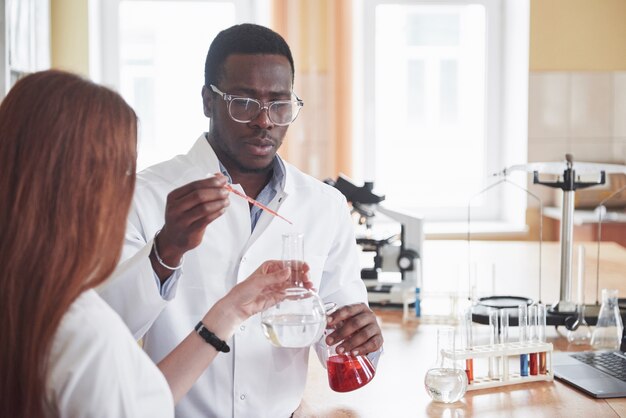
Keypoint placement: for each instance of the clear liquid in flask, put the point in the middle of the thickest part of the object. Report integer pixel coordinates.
(446, 385)
(293, 330)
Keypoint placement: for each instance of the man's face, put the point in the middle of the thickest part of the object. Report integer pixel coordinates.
(248, 147)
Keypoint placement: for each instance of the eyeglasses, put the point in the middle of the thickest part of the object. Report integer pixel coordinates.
(246, 109)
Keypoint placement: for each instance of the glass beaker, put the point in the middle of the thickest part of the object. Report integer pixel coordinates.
(446, 382)
(299, 320)
(346, 372)
(608, 331)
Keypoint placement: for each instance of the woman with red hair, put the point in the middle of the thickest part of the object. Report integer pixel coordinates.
(67, 152)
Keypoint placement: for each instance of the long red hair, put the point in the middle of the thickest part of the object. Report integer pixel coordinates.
(67, 155)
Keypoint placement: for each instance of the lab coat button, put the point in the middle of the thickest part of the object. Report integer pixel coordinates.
(243, 259)
(242, 397)
(243, 327)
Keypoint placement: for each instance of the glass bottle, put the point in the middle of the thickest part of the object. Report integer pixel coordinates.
(608, 331)
(299, 320)
(446, 382)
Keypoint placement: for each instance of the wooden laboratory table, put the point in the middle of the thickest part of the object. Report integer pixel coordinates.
(398, 391)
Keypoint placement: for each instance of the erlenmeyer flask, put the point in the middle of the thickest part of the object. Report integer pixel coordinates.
(446, 381)
(346, 372)
(299, 320)
(608, 332)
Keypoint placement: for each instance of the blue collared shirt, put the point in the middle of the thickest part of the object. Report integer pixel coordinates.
(268, 193)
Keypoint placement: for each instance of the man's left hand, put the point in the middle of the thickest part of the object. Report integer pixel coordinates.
(356, 325)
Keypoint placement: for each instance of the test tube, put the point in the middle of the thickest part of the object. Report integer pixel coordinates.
(504, 339)
(494, 364)
(522, 317)
(469, 343)
(581, 276)
(418, 288)
(504, 326)
(541, 333)
(532, 337)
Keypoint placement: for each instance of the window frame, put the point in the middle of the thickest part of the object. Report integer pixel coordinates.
(104, 32)
(105, 59)
(506, 84)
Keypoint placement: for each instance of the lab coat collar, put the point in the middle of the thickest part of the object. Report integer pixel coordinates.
(202, 155)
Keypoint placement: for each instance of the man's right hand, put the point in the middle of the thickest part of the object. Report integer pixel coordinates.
(188, 211)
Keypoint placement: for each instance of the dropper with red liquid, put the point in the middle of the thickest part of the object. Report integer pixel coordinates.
(255, 203)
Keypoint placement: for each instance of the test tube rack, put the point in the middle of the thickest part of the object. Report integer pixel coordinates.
(503, 352)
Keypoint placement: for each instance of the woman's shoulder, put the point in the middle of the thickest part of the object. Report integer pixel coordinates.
(95, 365)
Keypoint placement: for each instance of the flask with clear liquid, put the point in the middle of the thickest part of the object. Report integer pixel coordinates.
(607, 334)
(299, 320)
(446, 381)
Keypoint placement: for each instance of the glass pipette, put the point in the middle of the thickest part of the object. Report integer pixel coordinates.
(255, 203)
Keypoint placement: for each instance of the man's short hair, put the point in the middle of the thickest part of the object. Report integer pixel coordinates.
(246, 38)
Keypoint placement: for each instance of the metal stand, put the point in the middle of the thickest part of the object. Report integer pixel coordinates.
(569, 185)
(564, 307)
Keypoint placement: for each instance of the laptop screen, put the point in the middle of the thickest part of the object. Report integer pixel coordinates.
(622, 346)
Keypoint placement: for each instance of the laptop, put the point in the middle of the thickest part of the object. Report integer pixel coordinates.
(601, 374)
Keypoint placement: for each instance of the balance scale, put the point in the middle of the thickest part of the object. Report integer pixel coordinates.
(563, 311)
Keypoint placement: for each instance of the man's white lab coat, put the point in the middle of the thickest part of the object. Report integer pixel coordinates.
(255, 379)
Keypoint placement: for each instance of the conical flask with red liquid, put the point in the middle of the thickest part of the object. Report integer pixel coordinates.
(299, 320)
(347, 372)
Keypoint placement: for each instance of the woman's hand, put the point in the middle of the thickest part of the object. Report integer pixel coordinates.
(263, 289)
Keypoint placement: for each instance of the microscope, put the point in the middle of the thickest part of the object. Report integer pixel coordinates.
(397, 256)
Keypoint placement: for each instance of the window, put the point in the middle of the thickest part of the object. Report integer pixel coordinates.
(25, 40)
(436, 106)
(153, 54)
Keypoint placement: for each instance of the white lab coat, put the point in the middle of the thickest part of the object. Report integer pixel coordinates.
(97, 369)
(255, 379)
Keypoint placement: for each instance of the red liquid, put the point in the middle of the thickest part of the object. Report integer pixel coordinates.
(469, 369)
(534, 366)
(543, 368)
(346, 373)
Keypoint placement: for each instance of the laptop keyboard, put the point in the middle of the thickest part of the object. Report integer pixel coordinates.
(608, 362)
